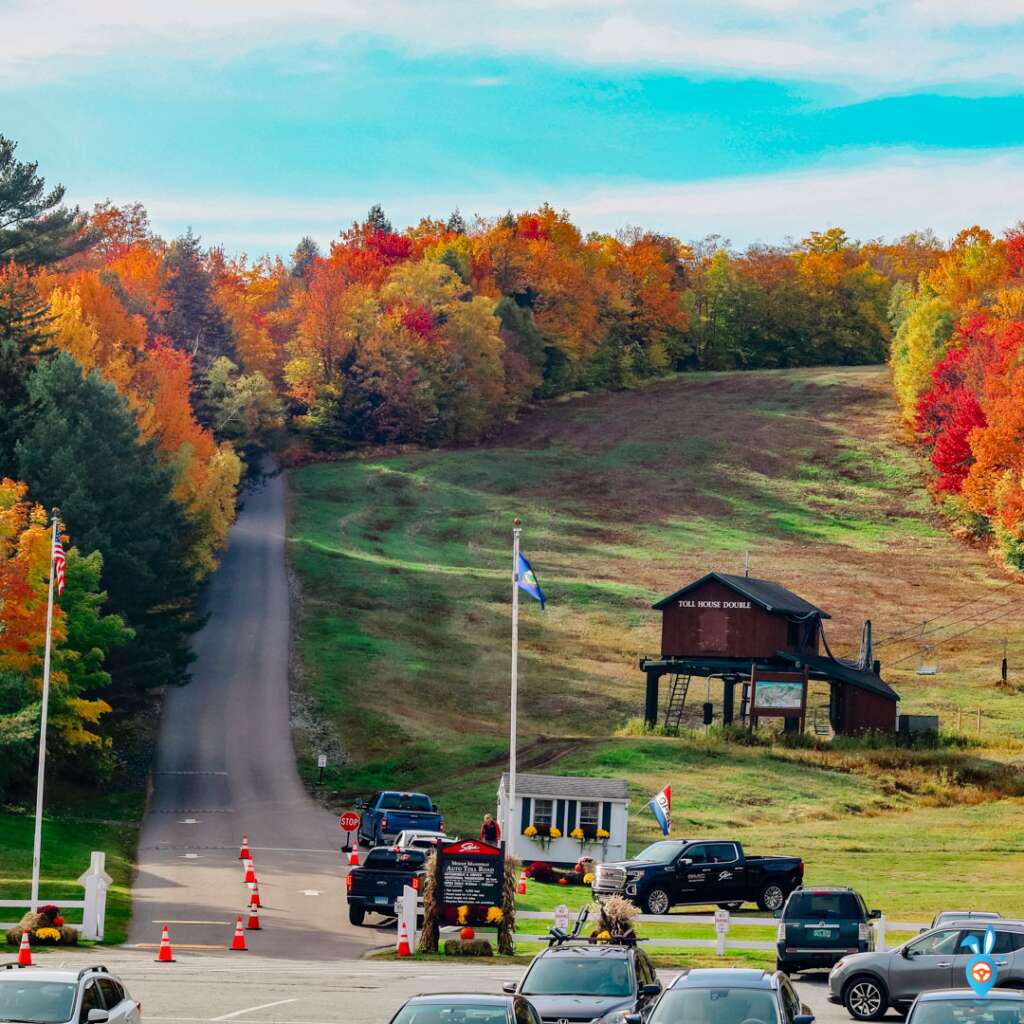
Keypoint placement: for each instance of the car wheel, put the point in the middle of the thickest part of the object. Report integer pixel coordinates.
(656, 902)
(772, 897)
(865, 998)
(356, 914)
(731, 907)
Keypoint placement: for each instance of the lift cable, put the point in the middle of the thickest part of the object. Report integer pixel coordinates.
(963, 632)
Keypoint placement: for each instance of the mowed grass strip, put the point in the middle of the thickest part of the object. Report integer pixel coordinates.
(403, 625)
(66, 847)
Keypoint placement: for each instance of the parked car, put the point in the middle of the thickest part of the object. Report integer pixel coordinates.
(944, 916)
(962, 1006)
(819, 926)
(728, 995)
(466, 1009)
(380, 880)
(420, 839)
(89, 995)
(671, 872)
(577, 981)
(388, 813)
(867, 984)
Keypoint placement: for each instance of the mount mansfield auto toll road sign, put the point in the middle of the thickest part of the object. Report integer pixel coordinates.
(471, 874)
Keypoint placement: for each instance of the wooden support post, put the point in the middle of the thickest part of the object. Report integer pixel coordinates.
(651, 703)
(728, 693)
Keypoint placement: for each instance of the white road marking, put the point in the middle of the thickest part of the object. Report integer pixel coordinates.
(310, 892)
(252, 1009)
(188, 821)
(191, 856)
(162, 920)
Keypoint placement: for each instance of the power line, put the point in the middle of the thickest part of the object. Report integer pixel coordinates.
(963, 632)
(949, 611)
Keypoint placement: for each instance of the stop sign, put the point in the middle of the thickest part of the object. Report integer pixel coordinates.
(349, 821)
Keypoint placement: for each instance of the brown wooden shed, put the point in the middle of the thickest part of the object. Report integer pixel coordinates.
(722, 626)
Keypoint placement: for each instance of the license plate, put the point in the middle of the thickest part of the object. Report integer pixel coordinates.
(821, 933)
(381, 899)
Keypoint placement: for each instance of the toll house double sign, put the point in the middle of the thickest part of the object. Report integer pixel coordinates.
(470, 873)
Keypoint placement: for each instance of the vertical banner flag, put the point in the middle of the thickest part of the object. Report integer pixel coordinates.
(661, 808)
(527, 580)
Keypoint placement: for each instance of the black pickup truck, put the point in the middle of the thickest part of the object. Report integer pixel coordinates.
(671, 872)
(376, 885)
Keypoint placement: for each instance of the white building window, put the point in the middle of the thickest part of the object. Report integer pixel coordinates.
(590, 815)
(542, 812)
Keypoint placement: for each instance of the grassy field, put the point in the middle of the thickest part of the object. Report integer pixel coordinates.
(403, 621)
(109, 825)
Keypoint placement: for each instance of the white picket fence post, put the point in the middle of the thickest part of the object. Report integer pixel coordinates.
(96, 882)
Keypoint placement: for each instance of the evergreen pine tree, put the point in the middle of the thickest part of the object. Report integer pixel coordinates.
(81, 452)
(376, 221)
(305, 252)
(456, 222)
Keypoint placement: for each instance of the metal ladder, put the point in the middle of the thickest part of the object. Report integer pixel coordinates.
(676, 703)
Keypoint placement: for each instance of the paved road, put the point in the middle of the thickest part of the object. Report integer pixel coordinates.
(225, 765)
(251, 990)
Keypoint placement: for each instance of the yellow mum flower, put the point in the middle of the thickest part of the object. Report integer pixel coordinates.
(463, 915)
(48, 933)
(530, 830)
(603, 833)
(588, 878)
(576, 833)
(494, 915)
(555, 832)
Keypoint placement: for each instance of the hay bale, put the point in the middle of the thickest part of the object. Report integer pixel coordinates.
(468, 947)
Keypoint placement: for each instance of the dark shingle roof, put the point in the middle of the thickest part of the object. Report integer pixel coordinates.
(842, 670)
(773, 597)
(573, 787)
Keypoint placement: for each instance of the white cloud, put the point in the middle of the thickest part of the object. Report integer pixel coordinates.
(871, 195)
(875, 45)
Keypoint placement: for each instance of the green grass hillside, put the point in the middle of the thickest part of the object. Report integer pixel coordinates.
(403, 625)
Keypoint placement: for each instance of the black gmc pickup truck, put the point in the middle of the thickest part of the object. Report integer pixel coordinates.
(671, 872)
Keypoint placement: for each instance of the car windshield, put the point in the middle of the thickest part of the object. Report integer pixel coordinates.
(824, 906)
(42, 1002)
(662, 852)
(968, 1011)
(383, 858)
(716, 1006)
(406, 802)
(578, 976)
(452, 1013)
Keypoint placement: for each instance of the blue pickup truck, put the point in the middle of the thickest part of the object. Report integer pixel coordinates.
(387, 813)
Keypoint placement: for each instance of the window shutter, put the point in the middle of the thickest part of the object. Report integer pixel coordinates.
(571, 823)
(560, 816)
(606, 816)
(526, 814)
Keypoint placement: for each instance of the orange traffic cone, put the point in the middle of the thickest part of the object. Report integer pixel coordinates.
(238, 942)
(521, 887)
(250, 871)
(253, 924)
(254, 896)
(165, 956)
(353, 857)
(243, 853)
(403, 941)
(25, 952)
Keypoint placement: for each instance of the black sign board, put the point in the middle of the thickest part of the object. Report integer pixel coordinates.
(471, 874)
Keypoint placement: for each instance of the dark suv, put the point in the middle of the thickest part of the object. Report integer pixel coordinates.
(575, 982)
(820, 926)
(730, 995)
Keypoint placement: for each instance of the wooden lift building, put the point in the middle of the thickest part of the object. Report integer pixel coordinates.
(758, 634)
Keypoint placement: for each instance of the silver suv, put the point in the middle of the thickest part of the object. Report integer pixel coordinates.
(34, 995)
(867, 984)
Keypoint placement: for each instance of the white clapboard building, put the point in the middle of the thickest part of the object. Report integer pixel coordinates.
(559, 818)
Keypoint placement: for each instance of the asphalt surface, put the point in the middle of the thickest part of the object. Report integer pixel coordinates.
(250, 989)
(225, 766)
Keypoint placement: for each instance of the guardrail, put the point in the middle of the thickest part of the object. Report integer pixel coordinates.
(95, 881)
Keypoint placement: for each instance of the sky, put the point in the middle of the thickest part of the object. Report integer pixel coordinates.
(256, 123)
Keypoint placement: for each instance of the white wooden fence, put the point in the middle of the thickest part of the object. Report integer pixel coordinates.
(95, 881)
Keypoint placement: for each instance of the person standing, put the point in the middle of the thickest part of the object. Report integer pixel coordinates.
(490, 831)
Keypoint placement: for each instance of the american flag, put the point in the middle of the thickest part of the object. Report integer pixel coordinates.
(58, 563)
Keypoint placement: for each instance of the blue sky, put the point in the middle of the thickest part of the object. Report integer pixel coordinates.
(256, 123)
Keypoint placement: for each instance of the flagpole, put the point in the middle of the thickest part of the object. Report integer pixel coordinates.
(510, 819)
(37, 840)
